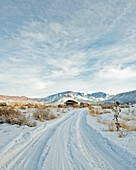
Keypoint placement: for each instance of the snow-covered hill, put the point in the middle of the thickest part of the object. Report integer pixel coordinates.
(77, 96)
(98, 97)
(127, 97)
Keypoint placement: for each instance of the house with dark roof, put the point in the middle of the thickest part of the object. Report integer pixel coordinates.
(71, 103)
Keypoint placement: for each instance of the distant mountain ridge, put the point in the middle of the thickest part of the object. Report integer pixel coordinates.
(77, 96)
(98, 97)
(62, 97)
(9, 99)
(127, 97)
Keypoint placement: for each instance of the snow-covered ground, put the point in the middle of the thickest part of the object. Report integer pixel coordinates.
(75, 140)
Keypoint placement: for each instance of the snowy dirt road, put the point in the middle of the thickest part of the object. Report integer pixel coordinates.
(66, 143)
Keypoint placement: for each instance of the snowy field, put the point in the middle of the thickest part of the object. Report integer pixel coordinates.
(75, 140)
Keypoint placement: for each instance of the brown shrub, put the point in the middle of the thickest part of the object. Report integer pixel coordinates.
(84, 104)
(92, 112)
(43, 114)
(120, 116)
(53, 117)
(30, 105)
(17, 103)
(12, 116)
(48, 109)
(102, 121)
(24, 107)
(106, 111)
(124, 106)
(107, 106)
(55, 106)
(132, 128)
(58, 110)
(90, 108)
(111, 126)
(62, 111)
(128, 127)
(61, 106)
(3, 104)
(44, 106)
(97, 112)
(32, 123)
(50, 105)
(123, 125)
(127, 118)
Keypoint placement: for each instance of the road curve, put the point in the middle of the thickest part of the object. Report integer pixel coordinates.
(67, 143)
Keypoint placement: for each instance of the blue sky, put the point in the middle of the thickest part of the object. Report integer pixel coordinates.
(49, 46)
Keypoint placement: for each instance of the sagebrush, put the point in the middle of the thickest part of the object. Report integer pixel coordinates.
(12, 116)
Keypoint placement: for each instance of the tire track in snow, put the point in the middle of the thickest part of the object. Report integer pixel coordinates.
(67, 143)
(75, 155)
(56, 145)
(109, 153)
(93, 157)
(58, 156)
(22, 147)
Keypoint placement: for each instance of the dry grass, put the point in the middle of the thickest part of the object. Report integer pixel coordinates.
(124, 106)
(50, 105)
(132, 128)
(24, 107)
(128, 127)
(111, 126)
(91, 108)
(43, 114)
(38, 105)
(3, 104)
(17, 103)
(48, 109)
(97, 112)
(120, 116)
(53, 117)
(123, 125)
(106, 111)
(12, 116)
(61, 106)
(102, 121)
(107, 106)
(58, 114)
(62, 111)
(99, 119)
(92, 112)
(58, 110)
(128, 118)
(30, 105)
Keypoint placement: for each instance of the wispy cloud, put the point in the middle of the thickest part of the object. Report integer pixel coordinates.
(51, 46)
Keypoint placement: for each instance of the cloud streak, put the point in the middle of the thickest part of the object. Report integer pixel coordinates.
(51, 46)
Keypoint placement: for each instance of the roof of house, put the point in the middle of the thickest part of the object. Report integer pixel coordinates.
(70, 101)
